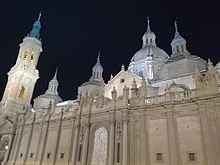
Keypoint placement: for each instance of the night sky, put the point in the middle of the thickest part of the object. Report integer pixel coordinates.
(74, 31)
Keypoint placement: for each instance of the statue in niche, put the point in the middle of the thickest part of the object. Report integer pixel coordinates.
(125, 92)
(118, 131)
(99, 155)
(114, 93)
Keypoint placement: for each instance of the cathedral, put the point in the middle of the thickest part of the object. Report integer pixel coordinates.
(162, 110)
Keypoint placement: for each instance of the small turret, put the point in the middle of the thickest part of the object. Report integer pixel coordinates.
(53, 85)
(50, 96)
(149, 37)
(96, 83)
(97, 70)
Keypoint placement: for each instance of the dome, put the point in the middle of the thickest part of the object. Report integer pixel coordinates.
(98, 65)
(150, 51)
(147, 61)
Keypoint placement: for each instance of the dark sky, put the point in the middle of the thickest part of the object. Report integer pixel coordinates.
(74, 31)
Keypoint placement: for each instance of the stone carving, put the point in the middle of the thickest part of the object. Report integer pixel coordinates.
(213, 77)
(99, 155)
(100, 101)
(81, 136)
(134, 89)
(208, 82)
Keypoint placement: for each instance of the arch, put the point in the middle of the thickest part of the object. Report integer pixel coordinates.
(100, 146)
(32, 56)
(25, 54)
(184, 87)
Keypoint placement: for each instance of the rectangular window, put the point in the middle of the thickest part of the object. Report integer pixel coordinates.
(118, 152)
(48, 155)
(31, 155)
(192, 157)
(141, 74)
(80, 150)
(159, 157)
(21, 155)
(21, 94)
(62, 155)
(122, 80)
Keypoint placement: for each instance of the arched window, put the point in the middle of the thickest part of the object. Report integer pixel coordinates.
(182, 47)
(3, 146)
(21, 94)
(177, 48)
(99, 155)
(32, 56)
(25, 54)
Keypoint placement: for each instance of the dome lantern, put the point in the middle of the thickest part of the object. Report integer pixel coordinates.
(149, 37)
(178, 44)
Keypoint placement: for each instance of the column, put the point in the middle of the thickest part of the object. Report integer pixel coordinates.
(125, 139)
(172, 138)
(58, 139)
(75, 142)
(206, 137)
(71, 141)
(29, 139)
(85, 145)
(143, 140)
(111, 143)
(44, 139)
(22, 119)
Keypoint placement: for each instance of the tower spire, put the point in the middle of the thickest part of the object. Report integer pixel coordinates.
(55, 75)
(39, 17)
(176, 27)
(35, 32)
(98, 58)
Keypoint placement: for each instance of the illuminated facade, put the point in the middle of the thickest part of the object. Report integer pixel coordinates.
(162, 110)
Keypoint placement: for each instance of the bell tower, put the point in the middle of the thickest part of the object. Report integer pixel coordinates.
(23, 75)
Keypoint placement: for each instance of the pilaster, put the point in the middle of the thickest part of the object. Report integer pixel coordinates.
(125, 138)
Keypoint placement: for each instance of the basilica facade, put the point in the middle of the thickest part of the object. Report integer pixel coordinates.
(162, 110)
